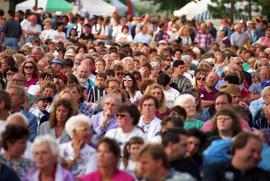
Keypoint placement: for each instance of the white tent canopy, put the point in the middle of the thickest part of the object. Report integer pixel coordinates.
(193, 9)
(120, 7)
(96, 7)
(29, 4)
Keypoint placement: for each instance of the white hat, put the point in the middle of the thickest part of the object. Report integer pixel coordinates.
(58, 13)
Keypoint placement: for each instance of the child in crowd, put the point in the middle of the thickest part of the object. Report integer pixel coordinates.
(99, 90)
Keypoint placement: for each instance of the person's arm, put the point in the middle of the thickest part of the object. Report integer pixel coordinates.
(207, 103)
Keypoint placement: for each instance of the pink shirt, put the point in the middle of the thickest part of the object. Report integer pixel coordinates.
(117, 176)
(207, 126)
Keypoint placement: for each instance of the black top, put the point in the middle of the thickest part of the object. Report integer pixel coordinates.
(90, 36)
(12, 29)
(226, 172)
(7, 174)
(187, 165)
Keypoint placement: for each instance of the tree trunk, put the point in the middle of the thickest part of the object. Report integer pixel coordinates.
(232, 11)
(249, 9)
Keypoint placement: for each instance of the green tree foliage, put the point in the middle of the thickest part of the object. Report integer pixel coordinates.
(265, 4)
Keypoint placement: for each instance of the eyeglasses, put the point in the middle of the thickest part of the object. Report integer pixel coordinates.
(201, 78)
(28, 67)
(127, 79)
(118, 73)
(121, 115)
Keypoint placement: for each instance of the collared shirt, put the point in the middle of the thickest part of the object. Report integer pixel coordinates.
(239, 39)
(203, 39)
(12, 29)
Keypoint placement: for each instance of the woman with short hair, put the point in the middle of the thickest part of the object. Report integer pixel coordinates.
(45, 153)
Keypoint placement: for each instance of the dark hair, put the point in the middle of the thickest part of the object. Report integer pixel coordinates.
(163, 79)
(169, 137)
(13, 133)
(125, 27)
(195, 132)
(102, 75)
(11, 13)
(68, 62)
(134, 86)
(134, 140)
(112, 145)
(177, 121)
(132, 110)
(180, 110)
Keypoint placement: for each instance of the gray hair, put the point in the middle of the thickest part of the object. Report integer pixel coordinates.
(113, 96)
(46, 139)
(20, 116)
(182, 99)
(75, 121)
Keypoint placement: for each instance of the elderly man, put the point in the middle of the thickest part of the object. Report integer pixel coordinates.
(209, 91)
(239, 38)
(82, 74)
(246, 154)
(18, 98)
(106, 120)
(32, 30)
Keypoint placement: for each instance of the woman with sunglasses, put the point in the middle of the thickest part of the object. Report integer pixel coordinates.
(130, 85)
(127, 119)
(30, 70)
(200, 77)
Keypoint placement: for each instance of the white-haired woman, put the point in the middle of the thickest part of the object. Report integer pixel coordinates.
(79, 156)
(188, 102)
(128, 64)
(45, 153)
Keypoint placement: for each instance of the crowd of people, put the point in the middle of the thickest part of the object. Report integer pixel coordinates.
(133, 98)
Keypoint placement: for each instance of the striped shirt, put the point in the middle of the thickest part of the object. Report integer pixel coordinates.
(95, 93)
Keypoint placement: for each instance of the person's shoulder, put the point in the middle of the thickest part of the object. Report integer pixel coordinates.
(93, 176)
(123, 175)
(112, 133)
(180, 176)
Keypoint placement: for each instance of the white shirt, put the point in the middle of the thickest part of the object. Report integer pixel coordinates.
(136, 96)
(151, 129)
(123, 38)
(33, 89)
(46, 34)
(85, 164)
(122, 138)
(58, 37)
(171, 95)
(100, 30)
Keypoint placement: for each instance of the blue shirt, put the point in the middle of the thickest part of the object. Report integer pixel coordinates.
(33, 124)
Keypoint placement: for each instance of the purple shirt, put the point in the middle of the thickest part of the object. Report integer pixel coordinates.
(96, 121)
(117, 176)
(208, 96)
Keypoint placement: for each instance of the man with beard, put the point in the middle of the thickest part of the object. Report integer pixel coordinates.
(83, 73)
(209, 91)
(175, 143)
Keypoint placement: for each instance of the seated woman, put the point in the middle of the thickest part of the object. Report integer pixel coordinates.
(45, 153)
(127, 119)
(78, 155)
(225, 125)
(14, 140)
(188, 102)
(108, 155)
(63, 109)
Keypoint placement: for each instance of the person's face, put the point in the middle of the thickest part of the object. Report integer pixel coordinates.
(110, 105)
(148, 107)
(83, 72)
(200, 79)
(100, 81)
(28, 68)
(114, 56)
(250, 155)
(221, 102)
(16, 100)
(145, 71)
(238, 64)
(264, 74)
(125, 31)
(190, 108)
(119, 74)
(62, 113)
(148, 166)
(266, 98)
(57, 66)
(100, 67)
(75, 94)
(181, 69)
(111, 86)
(177, 55)
(267, 33)
(9, 75)
(43, 156)
(48, 92)
(157, 93)
(211, 80)
(4, 66)
(83, 132)
(37, 54)
(224, 123)
(105, 158)
(18, 147)
(42, 104)
(33, 19)
(155, 70)
(130, 66)
(134, 149)
(124, 119)
(236, 98)
(193, 144)
(18, 79)
(127, 81)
